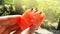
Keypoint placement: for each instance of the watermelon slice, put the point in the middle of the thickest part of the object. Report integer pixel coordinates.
(23, 24)
(29, 18)
(39, 18)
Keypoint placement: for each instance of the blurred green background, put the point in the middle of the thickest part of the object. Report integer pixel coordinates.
(50, 7)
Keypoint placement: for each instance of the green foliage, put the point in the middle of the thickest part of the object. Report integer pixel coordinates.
(30, 4)
(8, 1)
(0, 2)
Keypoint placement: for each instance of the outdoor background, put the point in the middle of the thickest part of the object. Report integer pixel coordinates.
(51, 8)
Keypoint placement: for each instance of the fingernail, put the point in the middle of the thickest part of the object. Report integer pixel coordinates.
(36, 9)
(31, 8)
(40, 13)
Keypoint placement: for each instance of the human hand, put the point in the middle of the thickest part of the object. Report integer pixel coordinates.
(8, 24)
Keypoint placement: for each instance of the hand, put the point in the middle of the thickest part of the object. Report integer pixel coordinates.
(8, 24)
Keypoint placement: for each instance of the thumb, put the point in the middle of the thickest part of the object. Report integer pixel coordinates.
(10, 29)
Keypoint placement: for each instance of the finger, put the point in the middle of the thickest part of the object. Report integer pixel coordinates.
(18, 31)
(32, 29)
(35, 10)
(8, 20)
(10, 29)
(29, 10)
(40, 13)
(2, 28)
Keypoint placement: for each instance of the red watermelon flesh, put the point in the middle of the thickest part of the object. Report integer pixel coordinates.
(23, 24)
(29, 18)
(35, 19)
(39, 18)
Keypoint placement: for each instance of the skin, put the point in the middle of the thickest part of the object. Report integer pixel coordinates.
(8, 24)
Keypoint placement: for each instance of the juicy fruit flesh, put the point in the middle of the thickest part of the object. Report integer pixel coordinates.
(29, 18)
